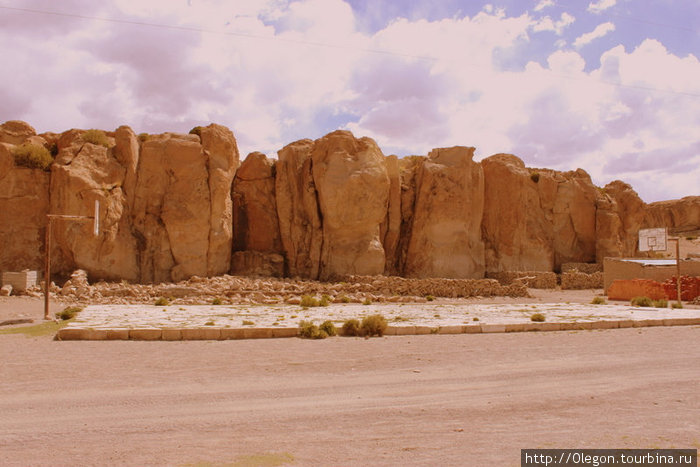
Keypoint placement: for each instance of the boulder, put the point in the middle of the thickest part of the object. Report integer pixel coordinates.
(351, 179)
(15, 132)
(256, 263)
(446, 232)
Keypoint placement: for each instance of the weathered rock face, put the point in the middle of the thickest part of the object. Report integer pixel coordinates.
(172, 208)
(24, 203)
(516, 232)
(446, 233)
(536, 219)
(221, 151)
(408, 170)
(297, 210)
(85, 173)
(176, 206)
(391, 227)
(351, 179)
(573, 216)
(257, 243)
(255, 222)
(621, 214)
(681, 215)
(332, 197)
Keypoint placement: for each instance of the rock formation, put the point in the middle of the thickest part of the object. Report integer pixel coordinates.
(446, 233)
(353, 188)
(257, 244)
(177, 206)
(24, 203)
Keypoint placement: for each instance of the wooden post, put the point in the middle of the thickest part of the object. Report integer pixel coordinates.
(47, 268)
(47, 258)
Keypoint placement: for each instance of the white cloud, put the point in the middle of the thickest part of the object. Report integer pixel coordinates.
(303, 69)
(558, 27)
(601, 5)
(543, 4)
(599, 31)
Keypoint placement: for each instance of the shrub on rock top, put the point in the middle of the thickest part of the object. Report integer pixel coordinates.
(32, 156)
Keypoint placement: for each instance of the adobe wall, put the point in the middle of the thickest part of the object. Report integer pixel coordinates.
(616, 268)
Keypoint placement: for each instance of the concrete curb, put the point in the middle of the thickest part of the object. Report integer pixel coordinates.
(213, 333)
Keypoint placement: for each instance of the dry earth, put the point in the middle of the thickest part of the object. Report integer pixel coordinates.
(418, 400)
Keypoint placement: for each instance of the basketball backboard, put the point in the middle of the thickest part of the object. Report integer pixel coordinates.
(652, 239)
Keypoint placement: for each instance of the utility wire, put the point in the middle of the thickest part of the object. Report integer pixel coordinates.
(319, 44)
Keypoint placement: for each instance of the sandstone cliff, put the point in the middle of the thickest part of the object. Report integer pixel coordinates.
(178, 205)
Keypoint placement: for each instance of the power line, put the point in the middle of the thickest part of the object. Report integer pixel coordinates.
(561, 5)
(316, 44)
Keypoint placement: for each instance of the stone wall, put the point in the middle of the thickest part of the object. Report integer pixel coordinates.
(532, 279)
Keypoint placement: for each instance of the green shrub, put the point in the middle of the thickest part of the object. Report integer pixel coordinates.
(663, 303)
(325, 300)
(374, 325)
(430, 298)
(216, 301)
(309, 330)
(598, 301)
(68, 312)
(351, 327)
(248, 323)
(307, 301)
(33, 156)
(537, 317)
(676, 305)
(162, 301)
(328, 327)
(367, 301)
(535, 177)
(97, 137)
(143, 137)
(53, 150)
(641, 301)
(196, 131)
(209, 323)
(344, 299)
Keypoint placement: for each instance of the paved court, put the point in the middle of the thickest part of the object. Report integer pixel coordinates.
(214, 322)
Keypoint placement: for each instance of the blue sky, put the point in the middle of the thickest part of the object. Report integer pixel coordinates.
(611, 86)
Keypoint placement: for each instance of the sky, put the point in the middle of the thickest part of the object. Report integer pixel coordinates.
(610, 86)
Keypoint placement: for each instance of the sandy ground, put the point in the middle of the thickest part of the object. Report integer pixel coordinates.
(418, 400)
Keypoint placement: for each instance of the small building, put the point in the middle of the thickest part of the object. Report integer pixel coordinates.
(645, 268)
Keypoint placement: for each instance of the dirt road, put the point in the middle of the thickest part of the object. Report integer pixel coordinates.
(419, 400)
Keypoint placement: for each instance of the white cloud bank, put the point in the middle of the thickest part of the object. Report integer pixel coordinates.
(275, 71)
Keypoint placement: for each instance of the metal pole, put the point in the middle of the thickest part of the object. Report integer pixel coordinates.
(678, 269)
(47, 268)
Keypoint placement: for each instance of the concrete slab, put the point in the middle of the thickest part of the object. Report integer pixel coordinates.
(215, 322)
